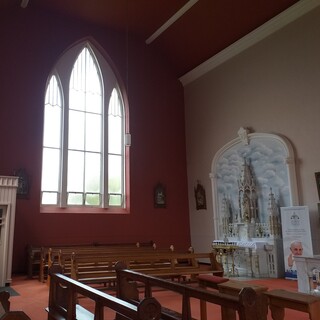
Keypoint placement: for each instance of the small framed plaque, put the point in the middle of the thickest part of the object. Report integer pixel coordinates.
(23, 184)
(159, 195)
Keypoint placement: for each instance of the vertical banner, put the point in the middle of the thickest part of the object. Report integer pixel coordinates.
(296, 236)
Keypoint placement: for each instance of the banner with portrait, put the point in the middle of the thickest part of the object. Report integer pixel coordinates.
(296, 236)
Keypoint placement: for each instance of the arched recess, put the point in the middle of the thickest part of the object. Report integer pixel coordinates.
(272, 160)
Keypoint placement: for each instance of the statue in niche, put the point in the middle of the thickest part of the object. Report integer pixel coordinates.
(245, 208)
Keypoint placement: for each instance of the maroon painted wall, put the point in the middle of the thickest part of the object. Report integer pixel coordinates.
(31, 43)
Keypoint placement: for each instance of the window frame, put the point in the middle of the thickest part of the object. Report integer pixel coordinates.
(110, 81)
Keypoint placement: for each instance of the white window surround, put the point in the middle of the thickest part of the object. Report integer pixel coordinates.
(63, 69)
(244, 139)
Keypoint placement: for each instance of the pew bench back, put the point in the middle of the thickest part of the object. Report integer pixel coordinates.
(43, 257)
(245, 304)
(92, 269)
(64, 304)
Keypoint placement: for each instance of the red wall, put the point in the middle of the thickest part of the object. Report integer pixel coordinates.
(31, 43)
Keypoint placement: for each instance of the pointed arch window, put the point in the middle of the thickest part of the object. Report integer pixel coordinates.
(84, 152)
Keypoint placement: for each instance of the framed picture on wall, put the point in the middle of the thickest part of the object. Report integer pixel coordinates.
(159, 196)
(23, 184)
(200, 195)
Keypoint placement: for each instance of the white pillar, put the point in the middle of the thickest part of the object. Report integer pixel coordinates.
(8, 191)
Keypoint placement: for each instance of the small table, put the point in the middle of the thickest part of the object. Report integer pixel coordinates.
(224, 251)
(233, 288)
(280, 299)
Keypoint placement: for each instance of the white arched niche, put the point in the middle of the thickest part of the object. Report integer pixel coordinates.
(272, 161)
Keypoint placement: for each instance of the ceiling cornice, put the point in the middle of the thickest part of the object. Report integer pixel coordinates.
(294, 12)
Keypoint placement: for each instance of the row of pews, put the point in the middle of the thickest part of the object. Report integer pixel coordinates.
(39, 258)
(182, 267)
(64, 302)
(96, 264)
(134, 299)
(123, 266)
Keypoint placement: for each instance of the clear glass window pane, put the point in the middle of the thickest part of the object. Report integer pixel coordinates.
(94, 102)
(92, 172)
(51, 153)
(53, 93)
(76, 130)
(75, 199)
(93, 132)
(115, 124)
(93, 199)
(115, 200)
(114, 136)
(115, 174)
(49, 198)
(52, 126)
(115, 104)
(75, 171)
(50, 169)
(76, 98)
(77, 83)
(85, 84)
(93, 85)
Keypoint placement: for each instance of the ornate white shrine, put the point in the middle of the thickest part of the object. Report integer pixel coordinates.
(252, 177)
(8, 190)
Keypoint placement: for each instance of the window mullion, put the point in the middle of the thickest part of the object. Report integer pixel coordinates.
(64, 156)
(104, 183)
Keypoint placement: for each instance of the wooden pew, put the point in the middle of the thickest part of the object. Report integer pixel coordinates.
(65, 252)
(245, 304)
(91, 269)
(233, 287)
(65, 258)
(49, 254)
(33, 260)
(280, 299)
(64, 303)
(5, 313)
